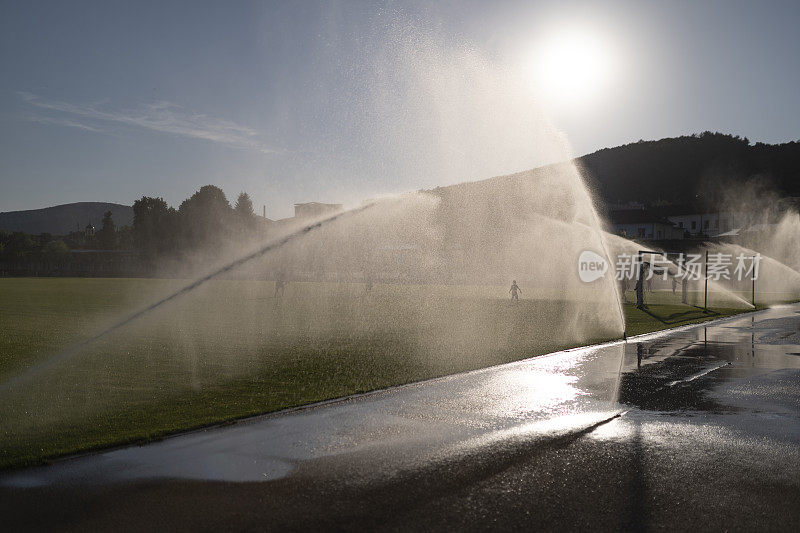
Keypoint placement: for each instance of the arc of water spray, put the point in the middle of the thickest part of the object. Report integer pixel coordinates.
(601, 234)
(634, 247)
(767, 259)
(615, 286)
(74, 349)
(716, 286)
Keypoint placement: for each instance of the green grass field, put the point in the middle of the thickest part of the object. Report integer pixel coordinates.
(231, 349)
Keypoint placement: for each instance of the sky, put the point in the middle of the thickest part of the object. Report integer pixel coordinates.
(345, 101)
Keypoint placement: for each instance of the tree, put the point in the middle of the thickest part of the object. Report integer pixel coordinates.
(107, 236)
(19, 245)
(244, 206)
(245, 216)
(55, 251)
(155, 226)
(125, 238)
(206, 217)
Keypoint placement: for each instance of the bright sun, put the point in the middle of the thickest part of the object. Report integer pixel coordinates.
(571, 67)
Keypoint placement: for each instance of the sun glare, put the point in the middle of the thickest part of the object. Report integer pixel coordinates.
(571, 66)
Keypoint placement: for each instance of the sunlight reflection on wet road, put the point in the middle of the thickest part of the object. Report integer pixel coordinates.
(530, 396)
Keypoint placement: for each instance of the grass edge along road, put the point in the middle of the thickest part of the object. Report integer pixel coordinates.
(49, 305)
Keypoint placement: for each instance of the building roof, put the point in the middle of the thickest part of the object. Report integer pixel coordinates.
(304, 204)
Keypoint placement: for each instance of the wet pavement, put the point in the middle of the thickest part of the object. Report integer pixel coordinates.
(696, 428)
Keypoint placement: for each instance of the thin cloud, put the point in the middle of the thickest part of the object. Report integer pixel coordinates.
(65, 122)
(164, 117)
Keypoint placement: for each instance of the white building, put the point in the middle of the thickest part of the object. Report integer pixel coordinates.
(711, 224)
(641, 224)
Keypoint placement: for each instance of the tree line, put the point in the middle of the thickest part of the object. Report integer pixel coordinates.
(20, 246)
(204, 221)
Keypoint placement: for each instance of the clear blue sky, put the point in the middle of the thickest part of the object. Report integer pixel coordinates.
(340, 101)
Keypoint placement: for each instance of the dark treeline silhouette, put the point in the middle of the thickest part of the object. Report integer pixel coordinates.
(17, 245)
(107, 251)
(677, 170)
(20, 246)
(203, 222)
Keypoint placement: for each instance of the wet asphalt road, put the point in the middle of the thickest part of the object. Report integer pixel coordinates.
(695, 429)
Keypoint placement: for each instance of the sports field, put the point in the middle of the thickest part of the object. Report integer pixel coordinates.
(232, 349)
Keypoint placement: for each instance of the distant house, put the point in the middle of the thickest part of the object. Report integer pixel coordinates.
(315, 209)
(693, 221)
(303, 213)
(643, 224)
(697, 220)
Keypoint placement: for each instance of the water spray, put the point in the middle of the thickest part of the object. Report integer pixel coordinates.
(73, 350)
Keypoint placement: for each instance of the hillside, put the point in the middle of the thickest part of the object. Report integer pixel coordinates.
(696, 169)
(62, 219)
(674, 170)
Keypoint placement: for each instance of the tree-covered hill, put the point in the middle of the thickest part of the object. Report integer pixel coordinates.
(674, 170)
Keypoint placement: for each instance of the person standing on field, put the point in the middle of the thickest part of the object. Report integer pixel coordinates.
(280, 286)
(514, 290)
